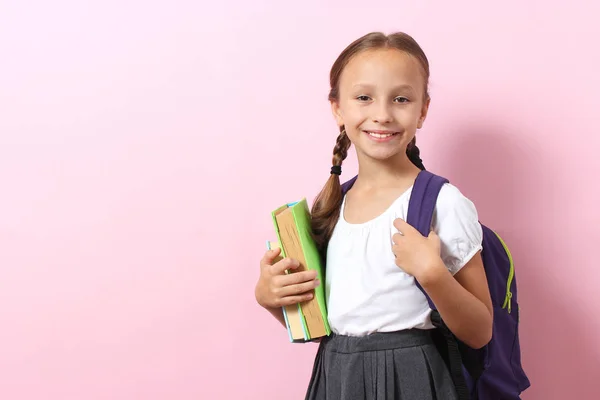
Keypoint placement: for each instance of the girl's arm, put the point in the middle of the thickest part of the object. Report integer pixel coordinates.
(463, 300)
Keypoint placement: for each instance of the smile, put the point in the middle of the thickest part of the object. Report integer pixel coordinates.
(381, 135)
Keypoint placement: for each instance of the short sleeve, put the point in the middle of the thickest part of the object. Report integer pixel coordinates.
(456, 222)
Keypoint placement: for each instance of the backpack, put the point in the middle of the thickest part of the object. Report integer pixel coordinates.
(493, 372)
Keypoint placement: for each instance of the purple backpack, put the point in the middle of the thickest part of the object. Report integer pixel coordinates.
(495, 371)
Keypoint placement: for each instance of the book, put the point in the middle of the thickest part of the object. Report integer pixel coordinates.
(292, 227)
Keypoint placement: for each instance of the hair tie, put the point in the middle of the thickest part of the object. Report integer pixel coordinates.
(336, 169)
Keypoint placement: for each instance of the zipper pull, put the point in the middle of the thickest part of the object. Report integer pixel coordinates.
(508, 301)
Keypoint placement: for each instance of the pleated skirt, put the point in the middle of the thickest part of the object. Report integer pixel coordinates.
(404, 365)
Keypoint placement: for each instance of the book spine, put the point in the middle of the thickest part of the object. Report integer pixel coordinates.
(304, 325)
(287, 324)
(301, 214)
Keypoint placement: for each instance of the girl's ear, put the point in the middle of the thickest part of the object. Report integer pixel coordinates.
(335, 110)
(424, 111)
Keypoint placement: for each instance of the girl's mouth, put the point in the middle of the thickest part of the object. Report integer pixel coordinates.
(381, 136)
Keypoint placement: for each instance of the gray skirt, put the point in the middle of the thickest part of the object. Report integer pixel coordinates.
(403, 365)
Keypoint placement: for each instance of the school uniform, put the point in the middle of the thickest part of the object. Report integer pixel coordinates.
(381, 346)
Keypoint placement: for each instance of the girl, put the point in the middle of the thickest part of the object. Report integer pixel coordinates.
(381, 346)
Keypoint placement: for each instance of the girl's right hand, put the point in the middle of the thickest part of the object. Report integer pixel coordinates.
(276, 289)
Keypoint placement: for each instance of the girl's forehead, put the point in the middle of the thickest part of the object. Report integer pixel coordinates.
(382, 65)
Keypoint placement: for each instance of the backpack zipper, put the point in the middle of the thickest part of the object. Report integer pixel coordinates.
(508, 299)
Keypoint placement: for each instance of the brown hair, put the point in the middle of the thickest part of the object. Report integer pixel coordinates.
(326, 208)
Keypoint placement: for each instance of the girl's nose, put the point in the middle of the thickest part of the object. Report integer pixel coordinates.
(382, 114)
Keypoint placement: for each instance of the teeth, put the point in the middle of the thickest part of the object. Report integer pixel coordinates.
(380, 136)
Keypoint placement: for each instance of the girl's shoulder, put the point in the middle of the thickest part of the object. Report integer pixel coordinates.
(456, 222)
(452, 200)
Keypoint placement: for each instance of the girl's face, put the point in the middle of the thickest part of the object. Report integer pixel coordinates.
(381, 102)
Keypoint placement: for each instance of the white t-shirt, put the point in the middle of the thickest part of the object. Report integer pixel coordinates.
(366, 291)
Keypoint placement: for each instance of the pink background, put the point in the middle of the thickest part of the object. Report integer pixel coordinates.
(143, 145)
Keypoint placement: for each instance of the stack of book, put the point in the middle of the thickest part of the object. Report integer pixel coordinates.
(305, 321)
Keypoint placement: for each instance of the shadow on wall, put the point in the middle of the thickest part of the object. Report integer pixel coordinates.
(514, 197)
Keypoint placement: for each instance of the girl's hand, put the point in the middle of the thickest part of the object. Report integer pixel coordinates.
(275, 288)
(417, 255)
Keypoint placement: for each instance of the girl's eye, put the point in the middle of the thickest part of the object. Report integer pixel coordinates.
(401, 99)
(363, 98)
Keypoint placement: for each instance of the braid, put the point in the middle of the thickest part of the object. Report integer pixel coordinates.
(342, 144)
(326, 208)
(413, 153)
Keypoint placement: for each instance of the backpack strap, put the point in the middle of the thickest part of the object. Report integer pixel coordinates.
(421, 207)
(347, 185)
(454, 356)
(423, 199)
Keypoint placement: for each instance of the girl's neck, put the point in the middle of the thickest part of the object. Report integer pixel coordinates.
(391, 173)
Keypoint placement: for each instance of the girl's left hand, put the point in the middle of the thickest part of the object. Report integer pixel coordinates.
(417, 255)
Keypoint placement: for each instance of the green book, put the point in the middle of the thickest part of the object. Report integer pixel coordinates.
(293, 230)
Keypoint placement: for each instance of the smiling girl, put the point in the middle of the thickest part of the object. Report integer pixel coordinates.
(381, 346)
